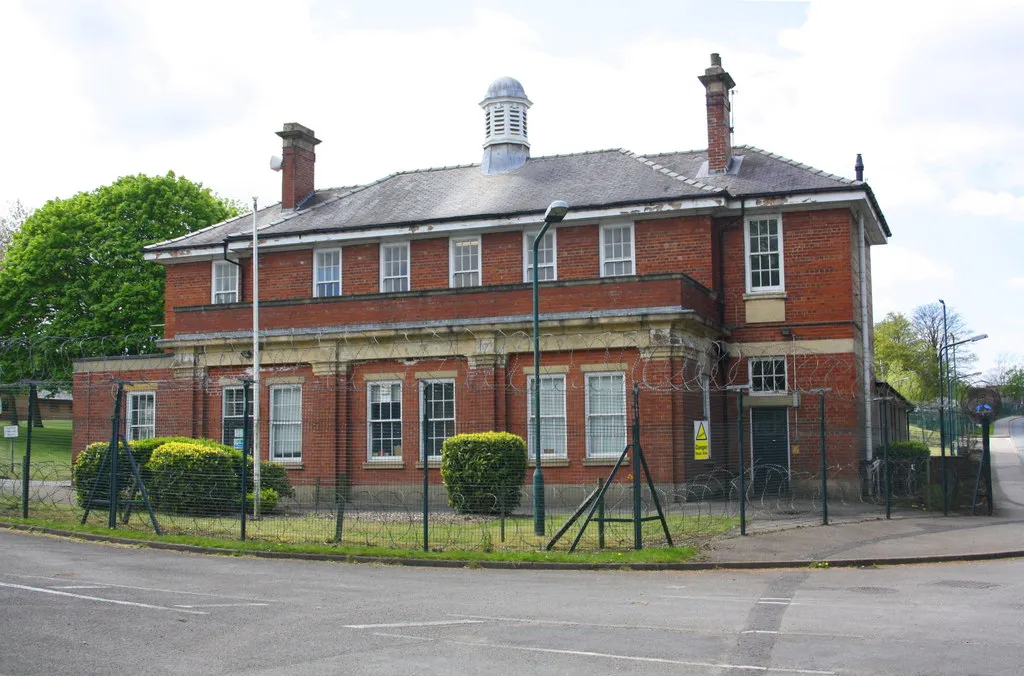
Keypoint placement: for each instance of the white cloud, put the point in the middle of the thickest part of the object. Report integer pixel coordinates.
(989, 204)
(1017, 282)
(894, 265)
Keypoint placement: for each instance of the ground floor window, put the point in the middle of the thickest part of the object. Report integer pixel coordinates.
(552, 415)
(141, 415)
(233, 418)
(286, 422)
(438, 397)
(385, 420)
(768, 375)
(606, 414)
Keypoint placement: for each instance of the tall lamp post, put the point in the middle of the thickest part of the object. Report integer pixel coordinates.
(555, 213)
(944, 357)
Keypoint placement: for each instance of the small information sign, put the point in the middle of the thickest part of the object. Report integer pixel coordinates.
(701, 443)
(10, 431)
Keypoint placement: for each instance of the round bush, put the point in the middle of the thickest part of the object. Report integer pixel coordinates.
(268, 501)
(190, 478)
(484, 472)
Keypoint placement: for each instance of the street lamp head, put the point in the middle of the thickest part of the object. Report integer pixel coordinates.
(556, 212)
(980, 336)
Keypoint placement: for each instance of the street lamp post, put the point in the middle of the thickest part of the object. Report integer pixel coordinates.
(555, 213)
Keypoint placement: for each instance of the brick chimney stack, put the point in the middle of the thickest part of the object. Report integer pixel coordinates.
(717, 82)
(297, 164)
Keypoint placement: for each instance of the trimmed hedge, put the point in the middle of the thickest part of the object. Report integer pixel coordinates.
(905, 450)
(484, 472)
(273, 475)
(189, 478)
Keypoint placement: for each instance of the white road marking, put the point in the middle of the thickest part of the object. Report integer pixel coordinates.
(149, 589)
(405, 636)
(82, 586)
(656, 660)
(759, 631)
(222, 605)
(97, 598)
(395, 625)
(567, 623)
(773, 603)
(776, 598)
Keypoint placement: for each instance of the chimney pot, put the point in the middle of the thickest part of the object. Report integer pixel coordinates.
(717, 84)
(297, 164)
(858, 168)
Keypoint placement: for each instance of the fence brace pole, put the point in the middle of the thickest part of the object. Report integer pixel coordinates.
(246, 447)
(638, 534)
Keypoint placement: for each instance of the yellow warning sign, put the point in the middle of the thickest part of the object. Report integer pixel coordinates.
(701, 443)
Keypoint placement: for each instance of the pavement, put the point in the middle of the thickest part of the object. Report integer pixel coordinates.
(906, 538)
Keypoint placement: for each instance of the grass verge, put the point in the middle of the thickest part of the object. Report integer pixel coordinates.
(655, 555)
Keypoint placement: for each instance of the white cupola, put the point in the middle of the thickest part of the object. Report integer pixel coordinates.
(506, 147)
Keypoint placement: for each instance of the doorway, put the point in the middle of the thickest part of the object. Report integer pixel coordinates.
(769, 432)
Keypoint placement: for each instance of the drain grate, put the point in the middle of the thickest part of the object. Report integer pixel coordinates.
(966, 584)
(873, 590)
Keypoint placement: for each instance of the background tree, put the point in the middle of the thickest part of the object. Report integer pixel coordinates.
(906, 349)
(74, 283)
(10, 222)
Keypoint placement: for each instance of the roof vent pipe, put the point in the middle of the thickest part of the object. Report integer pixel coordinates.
(858, 168)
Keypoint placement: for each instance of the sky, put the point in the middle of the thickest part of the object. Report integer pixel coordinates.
(929, 93)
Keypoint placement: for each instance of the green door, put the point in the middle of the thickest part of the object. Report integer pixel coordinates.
(769, 450)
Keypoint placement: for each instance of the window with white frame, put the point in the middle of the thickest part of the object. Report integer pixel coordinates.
(606, 414)
(464, 261)
(617, 250)
(326, 273)
(225, 282)
(286, 422)
(552, 416)
(394, 267)
(764, 254)
(384, 421)
(767, 375)
(233, 416)
(437, 399)
(141, 416)
(547, 256)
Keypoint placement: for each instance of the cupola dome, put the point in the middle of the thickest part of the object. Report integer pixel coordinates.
(506, 146)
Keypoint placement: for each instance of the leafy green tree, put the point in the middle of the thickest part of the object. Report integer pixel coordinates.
(74, 283)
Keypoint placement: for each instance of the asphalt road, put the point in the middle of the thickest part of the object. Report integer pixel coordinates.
(79, 608)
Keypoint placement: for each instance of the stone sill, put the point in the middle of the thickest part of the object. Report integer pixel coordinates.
(383, 464)
(766, 295)
(434, 464)
(605, 462)
(549, 462)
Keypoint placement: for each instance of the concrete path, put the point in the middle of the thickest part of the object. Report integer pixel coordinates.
(925, 535)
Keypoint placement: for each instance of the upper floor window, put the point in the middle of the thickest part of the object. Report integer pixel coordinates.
(464, 256)
(394, 267)
(617, 250)
(141, 415)
(326, 273)
(225, 282)
(547, 259)
(767, 375)
(764, 254)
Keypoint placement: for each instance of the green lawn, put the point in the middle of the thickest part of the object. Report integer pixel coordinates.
(51, 444)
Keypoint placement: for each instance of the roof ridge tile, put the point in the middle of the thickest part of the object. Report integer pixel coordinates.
(669, 172)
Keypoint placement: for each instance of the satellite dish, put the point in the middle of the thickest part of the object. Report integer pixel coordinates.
(275, 162)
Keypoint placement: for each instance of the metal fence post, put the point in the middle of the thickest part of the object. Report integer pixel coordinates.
(638, 533)
(114, 447)
(425, 438)
(26, 463)
(246, 447)
(885, 459)
(824, 464)
(743, 470)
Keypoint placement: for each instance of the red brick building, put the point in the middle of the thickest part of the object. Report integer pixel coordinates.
(684, 273)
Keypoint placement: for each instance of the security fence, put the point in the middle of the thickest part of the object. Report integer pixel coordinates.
(643, 440)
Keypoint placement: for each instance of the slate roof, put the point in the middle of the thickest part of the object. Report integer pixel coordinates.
(605, 178)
